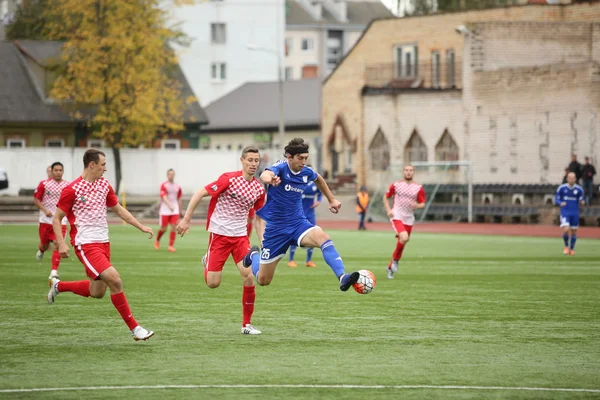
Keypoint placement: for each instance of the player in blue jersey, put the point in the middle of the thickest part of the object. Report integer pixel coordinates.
(285, 221)
(569, 196)
(311, 198)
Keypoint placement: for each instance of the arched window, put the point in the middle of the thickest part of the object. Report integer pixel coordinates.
(415, 149)
(379, 151)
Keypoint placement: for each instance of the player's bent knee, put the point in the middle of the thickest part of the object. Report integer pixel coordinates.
(213, 285)
(264, 281)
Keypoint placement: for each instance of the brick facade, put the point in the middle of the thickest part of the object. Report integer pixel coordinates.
(342, 90)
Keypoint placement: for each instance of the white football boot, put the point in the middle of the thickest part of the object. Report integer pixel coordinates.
(250, 330)
(139, 333)
(53, 292)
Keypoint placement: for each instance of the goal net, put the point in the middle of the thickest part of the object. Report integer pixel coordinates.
(448, 189)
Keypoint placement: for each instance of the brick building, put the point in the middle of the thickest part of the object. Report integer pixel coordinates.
(505, 95)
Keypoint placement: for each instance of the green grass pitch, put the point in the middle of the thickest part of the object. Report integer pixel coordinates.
(487, 311)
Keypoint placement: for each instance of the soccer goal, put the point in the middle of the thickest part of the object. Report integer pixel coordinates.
(448, 188)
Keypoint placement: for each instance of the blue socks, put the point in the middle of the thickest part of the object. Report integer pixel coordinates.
(332, 258)
(309, 254)
(292, 252)
(255, 264)
(573, 240)
(566, 239)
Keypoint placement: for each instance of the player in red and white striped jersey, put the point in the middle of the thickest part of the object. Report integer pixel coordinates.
(408, 196)
(87, 199)
(170, 209)
(45, 198)
(233, 196)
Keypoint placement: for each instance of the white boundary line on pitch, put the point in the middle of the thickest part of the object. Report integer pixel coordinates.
(301, 386)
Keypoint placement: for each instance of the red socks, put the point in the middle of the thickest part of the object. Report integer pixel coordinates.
(120, 303)
(172, 238)
(81, 288)
(398, 251)
(248, 297)
(160, 233)
(55, 260)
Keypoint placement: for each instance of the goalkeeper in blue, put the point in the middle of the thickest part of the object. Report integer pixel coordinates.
(286, 223)
(569, 196)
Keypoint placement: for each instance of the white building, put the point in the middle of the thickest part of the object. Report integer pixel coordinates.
(320, 32)
(219, 59)
(8, 8)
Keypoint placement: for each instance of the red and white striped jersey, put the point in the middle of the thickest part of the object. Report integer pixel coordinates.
(48, 193)
(89, 201)
(406, 196)
(232, 199)
(173, 193)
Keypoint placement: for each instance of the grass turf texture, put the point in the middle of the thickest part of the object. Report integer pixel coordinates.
(463, 310)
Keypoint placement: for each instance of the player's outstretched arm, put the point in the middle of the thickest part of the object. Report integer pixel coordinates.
(268, 177)
(63, 249)
(334, 204)
(131, 220)
(259, 227)
(184, 226)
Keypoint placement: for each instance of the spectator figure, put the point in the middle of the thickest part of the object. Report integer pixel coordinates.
(362, 205)
(575, 167)
(565, 177)
(587, 174)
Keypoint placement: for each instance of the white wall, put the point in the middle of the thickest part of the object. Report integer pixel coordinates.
(297, 58)
(248, 22)
(143, 170)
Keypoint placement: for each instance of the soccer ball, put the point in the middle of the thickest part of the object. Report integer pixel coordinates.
(365, 283)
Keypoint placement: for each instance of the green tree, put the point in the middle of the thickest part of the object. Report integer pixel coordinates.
(118, 72)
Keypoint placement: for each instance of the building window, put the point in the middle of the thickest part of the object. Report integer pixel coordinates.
(450, 68)
(446, 149)
(204, 142)
(435, 69)
(289, 46)
(55, 143)
(335, 46)
(218, 33)
(95, 143)
(171, 144)
(407, 61)
(415, 149)
(218, 147)
(289, 73)
(379, 152)
(15, 143)
(307, 44)
(218, 71)
(240, 147)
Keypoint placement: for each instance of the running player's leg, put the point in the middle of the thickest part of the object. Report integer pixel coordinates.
(314, 236)
(565, 227)
(309, 252)
(43, 233)
(574, 225)
(56, 254)
(248, 289)
(403, 236)
(275, 243)
(164, 224)
(291, 262)
(219, 249)
(173, 220)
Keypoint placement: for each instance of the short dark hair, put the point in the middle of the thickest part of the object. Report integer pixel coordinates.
(296, 146)
(54, 164)
(249, 149)
(92, 155)
(170, 169)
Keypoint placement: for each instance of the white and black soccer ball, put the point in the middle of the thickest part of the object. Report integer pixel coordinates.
(366, 282)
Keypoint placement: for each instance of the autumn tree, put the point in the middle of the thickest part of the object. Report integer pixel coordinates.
(118, 73)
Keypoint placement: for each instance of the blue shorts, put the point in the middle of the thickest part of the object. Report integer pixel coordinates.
(278, 238)
(572, 221)
(310, 216)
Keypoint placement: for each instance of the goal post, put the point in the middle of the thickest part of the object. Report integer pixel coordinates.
(448, 189)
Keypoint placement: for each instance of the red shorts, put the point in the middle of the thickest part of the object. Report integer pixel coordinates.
(400, 227)
(220, 247)
(95, 257)
(168, 220)
(46, 232)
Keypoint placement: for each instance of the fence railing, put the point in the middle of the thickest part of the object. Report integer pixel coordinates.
(430, 75)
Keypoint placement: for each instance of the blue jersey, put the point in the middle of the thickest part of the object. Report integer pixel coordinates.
(311, 194)
(572, 195)
(284, 202)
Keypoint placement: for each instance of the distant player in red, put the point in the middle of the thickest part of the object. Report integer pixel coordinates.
(408, 196)
(233, 195)
(45, 198)
(87, 199)
(170, 209)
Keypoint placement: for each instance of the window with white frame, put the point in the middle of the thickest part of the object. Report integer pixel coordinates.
(289, 73)
(55, 143)
(95, 143)
(289, 46)
(15, 143)
(218, 71)
(406, 61)
(171, 144)
(307, 44)
(218, 33)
